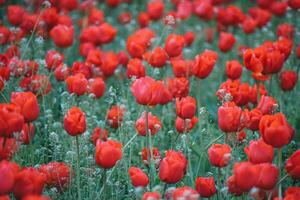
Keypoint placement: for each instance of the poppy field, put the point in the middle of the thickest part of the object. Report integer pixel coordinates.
(149, 99)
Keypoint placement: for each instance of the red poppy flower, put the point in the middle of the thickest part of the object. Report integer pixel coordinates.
(28, 104)
(29, 181)
(15, 14)
(143, 19)
(151, 196)
(203, 9)
(219, 155)
(267, 177)
(8, 172)
(62, 72)
(233, 69)
(172, 167)
(204, 64)
(185, 125)
(259, 152)
(174, 45)
(154, 124)
(108, 153)
(285, 30)
(11, 120)
(185, 192)
(57, 174)
(138, 177)
(226, 41)
(205, 186)
(267, 105)
(181, 68)
(179, 87)
(275, 130)
(292, 165)
(53, 59)
(186, 107)
(155, 153)
(115, 116)
(149, 92)
(75, 122)
(7, 151)
(229, 117)
(99, 134)
(97, 87)
(156, 58)
(135, 68)
(77, 84)
(27, 133)
(288, 80)
(242, 169)
(62, 35)
(249, 25)
(155, 9)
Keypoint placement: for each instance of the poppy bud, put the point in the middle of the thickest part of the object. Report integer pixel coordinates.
(138, 177)
(259, 152)
(229, 117)
(15, 14)
(28, 104)
(108, 153)
(186, 107)
(172, 167)
(219, 155)
(154, 124)
(75, 122)
(206, 186)
(62, 35)
(292, 165)
(275, 130)
(288, 80)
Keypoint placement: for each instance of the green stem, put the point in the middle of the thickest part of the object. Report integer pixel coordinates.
(279, 168)
(103, 181)
(149, 150)
(219, 183)
(78, 170)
